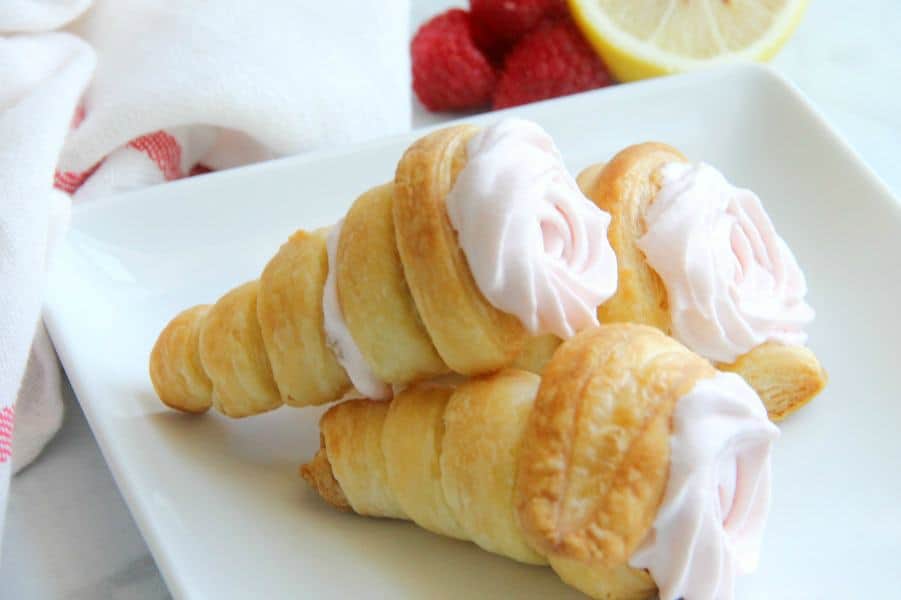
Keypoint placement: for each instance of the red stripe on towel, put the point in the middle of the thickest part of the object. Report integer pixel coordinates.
(69, 181)
(160, 147)
(164, 150)
(7, 419)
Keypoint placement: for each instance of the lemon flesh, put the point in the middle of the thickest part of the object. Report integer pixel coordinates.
(646, 38)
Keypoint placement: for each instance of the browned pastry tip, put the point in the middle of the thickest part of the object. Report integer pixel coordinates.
(318, 473)
(640, 296)
(470, 334)
(785, 377)
(595, 454)
(175, 368)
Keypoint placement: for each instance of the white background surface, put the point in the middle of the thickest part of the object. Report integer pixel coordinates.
(69, 534)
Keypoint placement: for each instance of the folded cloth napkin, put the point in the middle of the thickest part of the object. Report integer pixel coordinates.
(139, 92)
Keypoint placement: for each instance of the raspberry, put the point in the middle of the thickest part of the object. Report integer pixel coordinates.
(449, 71)
(554, 60)
(498, 24)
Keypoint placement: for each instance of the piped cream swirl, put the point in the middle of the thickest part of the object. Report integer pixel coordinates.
(731, 281)
(338, 336)
(536, 246)
(710, 524)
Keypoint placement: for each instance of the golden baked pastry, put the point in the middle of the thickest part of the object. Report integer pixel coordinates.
(375, 297)
(567, 469)
(290, 315)
(234, 357)
(785, 376)
(405, 291)
(175, 369)
(470, 334)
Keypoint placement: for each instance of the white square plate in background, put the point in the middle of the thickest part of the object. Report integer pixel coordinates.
(220, 502)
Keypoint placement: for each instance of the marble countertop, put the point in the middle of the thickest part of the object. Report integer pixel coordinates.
(68, 531)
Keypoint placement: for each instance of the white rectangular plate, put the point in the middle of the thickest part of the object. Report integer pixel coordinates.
(220, 502)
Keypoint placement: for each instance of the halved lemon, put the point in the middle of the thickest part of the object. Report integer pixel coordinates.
(645, 38)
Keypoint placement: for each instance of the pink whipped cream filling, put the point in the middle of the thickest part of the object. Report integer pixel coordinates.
(710, 524)
(732, 282)
(536, 246)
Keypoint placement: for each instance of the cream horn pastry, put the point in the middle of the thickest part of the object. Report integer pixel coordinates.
(632, 467)
(483, 253)
(700, 259)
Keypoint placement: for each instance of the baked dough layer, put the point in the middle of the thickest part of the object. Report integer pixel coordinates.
(234, 357)
(375, 299)
(291, 322)
(470, 334)
(567, 469)
(786, 378)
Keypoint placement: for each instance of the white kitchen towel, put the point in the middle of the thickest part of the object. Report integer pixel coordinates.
(139, 92)
(42, 77)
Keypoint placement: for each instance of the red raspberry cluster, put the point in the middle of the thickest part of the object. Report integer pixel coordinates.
(502, 53)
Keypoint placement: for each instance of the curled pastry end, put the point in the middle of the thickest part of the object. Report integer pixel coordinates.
(595, 455)
(318, 473)
(785, 377)
(175, 369)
